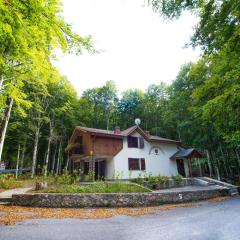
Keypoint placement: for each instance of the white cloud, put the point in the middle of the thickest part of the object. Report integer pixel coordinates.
(139, 48)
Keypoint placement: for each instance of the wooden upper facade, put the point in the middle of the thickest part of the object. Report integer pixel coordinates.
(86, 142)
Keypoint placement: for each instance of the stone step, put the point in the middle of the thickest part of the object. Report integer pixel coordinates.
(5, 203)
(5, 199)
(233, 190)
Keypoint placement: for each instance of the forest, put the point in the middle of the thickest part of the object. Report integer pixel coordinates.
(40, 108)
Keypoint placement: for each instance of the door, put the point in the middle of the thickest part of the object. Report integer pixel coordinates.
(180, 167)
(100, 167)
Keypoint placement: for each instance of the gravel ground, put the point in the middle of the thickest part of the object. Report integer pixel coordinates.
(207, 221)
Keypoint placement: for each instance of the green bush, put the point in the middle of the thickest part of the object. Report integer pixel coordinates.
(8, 181)
(67, 178)
(99, 187)
(90, 176)
(178, 178)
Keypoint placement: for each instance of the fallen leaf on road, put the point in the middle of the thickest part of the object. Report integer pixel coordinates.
(13, 214)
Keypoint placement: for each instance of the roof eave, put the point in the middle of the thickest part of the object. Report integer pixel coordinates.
(108, 135)
(165, 141)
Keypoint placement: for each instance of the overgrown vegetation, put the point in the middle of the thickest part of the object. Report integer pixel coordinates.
(8, 181)
(152, 181)
(201, 107)
(98, 187)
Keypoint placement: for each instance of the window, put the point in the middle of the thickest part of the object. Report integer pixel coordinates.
(143, 168)
(136, 164)
(135, 142)
(141, 142)
(132, 142)
(79, 140)
(133, 164)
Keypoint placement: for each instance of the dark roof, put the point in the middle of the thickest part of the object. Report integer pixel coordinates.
(125, 133)
(156, 138)
(95, 130)
(128, 131)
(187, 153)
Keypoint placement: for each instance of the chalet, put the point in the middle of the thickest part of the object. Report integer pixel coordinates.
(127, 154)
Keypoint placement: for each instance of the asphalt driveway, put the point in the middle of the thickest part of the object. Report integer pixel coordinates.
(207, 221)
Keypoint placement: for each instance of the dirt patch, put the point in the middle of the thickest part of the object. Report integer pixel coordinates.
(218, 199)
(12, 214)
(15, 214)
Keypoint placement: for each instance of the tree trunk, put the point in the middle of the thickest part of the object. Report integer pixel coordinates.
(217, 166)
(209, 164)
(1, 83)
(224, 162)
(22, 157)
(68, 159)
(18, 156)
(238, 157)
(54, 159)
(4, 125)
(58, 159)
(35, 149)
(48, 149)
(200, 167)
(108, 121)
(190, 166)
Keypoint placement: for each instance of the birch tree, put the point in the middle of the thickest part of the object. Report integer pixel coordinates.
(30, 31)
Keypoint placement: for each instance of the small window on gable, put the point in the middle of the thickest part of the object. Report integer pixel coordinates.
(132, 142)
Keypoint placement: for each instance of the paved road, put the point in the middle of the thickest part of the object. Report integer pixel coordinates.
(209, 221)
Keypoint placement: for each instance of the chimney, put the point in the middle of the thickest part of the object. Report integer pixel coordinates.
(117, 130)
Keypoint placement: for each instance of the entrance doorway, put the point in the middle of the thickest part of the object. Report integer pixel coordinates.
(180, 167)
(100, 168)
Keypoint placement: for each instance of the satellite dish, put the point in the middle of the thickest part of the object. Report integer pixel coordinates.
(137, 121)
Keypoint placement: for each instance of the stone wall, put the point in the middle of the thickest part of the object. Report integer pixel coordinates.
(114, 199)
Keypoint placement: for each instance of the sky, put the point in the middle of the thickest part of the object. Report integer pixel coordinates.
(137, 47)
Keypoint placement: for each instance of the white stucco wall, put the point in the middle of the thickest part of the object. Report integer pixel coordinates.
(110, 168)
(155, 164)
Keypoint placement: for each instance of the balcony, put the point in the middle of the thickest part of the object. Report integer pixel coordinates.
(78, 151)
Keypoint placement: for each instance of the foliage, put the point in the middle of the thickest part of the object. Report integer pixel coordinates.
(201, 107)
(178, 178)
(204, 99)
(90, 176)
(8, 181)
(100, 187)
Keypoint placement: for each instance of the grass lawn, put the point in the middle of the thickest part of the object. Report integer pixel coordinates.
(95, 188)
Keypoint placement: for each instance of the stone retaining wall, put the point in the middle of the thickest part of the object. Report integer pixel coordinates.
(114, 199)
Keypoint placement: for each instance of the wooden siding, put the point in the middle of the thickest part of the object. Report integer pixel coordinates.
(107, 146)
(100, 145)
(86, 141)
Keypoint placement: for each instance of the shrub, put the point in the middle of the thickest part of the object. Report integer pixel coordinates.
(66, 177)
(139, 180)
(99, 187)
(8, 181)
(90, 176)
(178, 178)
